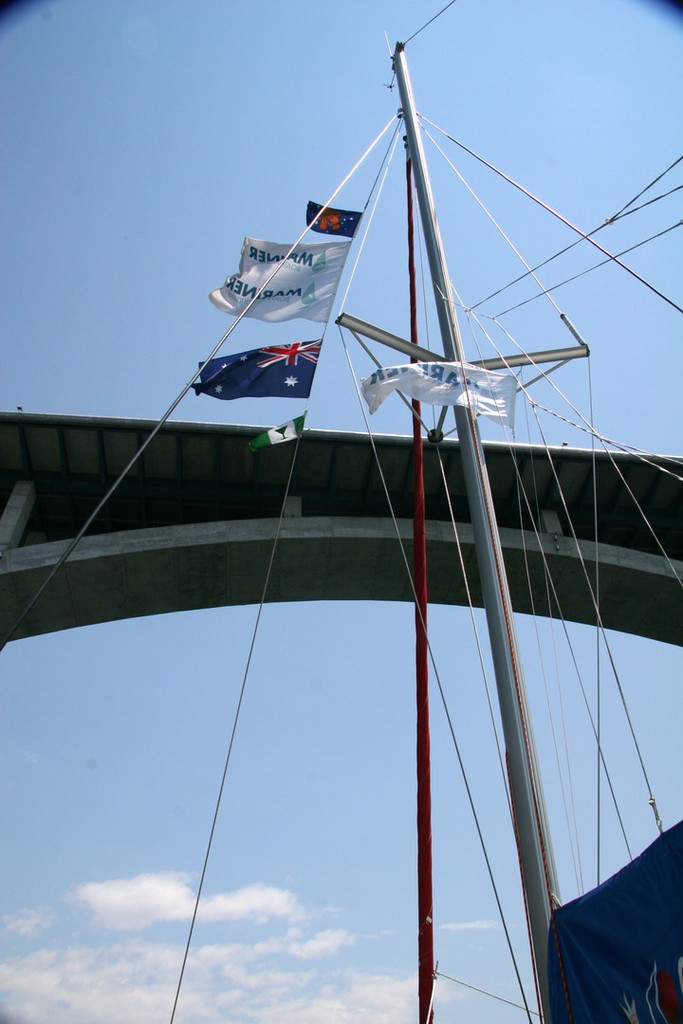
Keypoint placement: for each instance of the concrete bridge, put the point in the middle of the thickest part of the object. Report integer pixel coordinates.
(192, 524)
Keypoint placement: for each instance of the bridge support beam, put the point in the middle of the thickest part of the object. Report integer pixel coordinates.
(16, 514)
(153, 571)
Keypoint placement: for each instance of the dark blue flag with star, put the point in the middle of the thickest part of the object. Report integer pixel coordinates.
(332, 222)
(276, 371)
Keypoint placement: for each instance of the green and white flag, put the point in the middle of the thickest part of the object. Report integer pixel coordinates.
(287, 432)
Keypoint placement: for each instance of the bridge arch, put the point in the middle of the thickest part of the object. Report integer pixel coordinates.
(193, 525)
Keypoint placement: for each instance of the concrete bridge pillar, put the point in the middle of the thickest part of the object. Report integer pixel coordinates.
(16, 514)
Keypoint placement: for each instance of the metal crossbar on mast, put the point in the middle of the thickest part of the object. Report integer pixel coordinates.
(535, 851)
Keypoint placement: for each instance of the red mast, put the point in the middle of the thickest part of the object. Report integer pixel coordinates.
(425, 935)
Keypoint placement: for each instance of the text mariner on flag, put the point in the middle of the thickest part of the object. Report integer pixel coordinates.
(275, 371)
(487, 393)
(303, 287)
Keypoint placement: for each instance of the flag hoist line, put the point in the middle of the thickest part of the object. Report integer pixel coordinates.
(425, 899)
(68, 551)
(534, 844)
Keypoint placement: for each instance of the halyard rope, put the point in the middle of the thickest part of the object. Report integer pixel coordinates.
(549, 209)
(233, 731)
(442, 694)
(69, 549)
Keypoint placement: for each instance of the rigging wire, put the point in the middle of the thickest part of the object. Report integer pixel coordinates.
(598, 740)
(656, 461)
(521, 491)
(416, 415)
(233, 731)
(598, 677)
(567, 791)
(559, 216)
(538, 811)
(505, 626)
(556, 599)
(483, 991)
(610, 258)
(585, 426)
(550, 586)
(475, 628)
(494, 222)
(377, 188)
(71, 546)
(437, 677)
(648, 458)
(461, 559)
(627, 213)
(425, 935)
(427, 23)
(552, 592)
(595, 595)
(590, 429)
(582, 273)
(384, 164)
(471, 605)
(635, 199)
(386, 157)
(572, 245)
(524, 505)
(651, 799)
(617, 683)
(600, 625)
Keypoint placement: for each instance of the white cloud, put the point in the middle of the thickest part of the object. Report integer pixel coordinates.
(130, 904)
(295, 977)
(134, 903)
(257, 902)
(82, 985)
(136, 981)
(29, 922)
(323, 944)
(470, 926)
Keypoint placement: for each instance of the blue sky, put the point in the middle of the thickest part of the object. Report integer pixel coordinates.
(141, 142)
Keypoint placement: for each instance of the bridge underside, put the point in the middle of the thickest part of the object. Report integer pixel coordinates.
(152, 571)
(192, 521)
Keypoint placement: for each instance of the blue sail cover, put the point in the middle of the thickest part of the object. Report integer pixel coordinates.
(622, 944)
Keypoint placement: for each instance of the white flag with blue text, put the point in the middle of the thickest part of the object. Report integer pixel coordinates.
(486, 392)
(303, 287)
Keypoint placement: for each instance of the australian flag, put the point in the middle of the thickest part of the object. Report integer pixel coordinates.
(332, 222)
(278, 371)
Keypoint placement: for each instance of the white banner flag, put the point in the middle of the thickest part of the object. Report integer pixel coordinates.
(488, 393)
(304, 286)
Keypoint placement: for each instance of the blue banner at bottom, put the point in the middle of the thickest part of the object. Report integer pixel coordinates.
(621, 945)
